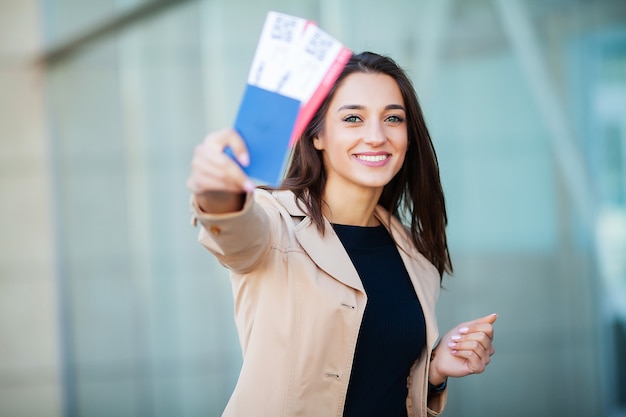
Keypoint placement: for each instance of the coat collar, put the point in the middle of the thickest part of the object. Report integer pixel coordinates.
(326, 251)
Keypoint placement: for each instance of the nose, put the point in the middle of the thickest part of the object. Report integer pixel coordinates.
(375, 134)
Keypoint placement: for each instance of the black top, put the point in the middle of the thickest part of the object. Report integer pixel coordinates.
(393, 331)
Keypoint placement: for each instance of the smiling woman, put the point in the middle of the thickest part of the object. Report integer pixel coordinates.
(334, 296)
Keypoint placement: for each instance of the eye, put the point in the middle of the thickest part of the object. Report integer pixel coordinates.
(352, 119)
(394, 119)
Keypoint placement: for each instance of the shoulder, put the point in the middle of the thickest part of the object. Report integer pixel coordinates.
(287, 200)
(282, 208)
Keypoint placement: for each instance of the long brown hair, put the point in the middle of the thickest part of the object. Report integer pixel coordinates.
(414, 194)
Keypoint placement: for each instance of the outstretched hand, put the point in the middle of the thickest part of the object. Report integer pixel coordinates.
(212, 170)
(464, 350)
(216, 179)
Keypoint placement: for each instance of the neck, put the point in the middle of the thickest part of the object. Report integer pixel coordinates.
(351, 207)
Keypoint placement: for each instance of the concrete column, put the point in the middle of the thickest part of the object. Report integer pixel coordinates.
(30, 366)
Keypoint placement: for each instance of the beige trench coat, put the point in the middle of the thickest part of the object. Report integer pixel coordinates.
(298, 308)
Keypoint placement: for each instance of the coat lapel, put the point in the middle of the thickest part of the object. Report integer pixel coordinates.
(326, 251)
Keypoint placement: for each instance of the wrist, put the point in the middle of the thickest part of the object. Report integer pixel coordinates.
(435, 378)
(437, 389)
(220, 202)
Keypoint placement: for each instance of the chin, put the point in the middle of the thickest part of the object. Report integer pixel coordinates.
(374, 183)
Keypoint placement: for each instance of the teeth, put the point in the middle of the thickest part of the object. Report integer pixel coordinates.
(372, 158)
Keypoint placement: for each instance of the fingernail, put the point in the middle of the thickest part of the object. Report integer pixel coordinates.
(456, 337)
(451, 344)
(248, 186)
(464, 330)
(244, 159)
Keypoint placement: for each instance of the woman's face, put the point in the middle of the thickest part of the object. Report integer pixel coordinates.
(364, 140)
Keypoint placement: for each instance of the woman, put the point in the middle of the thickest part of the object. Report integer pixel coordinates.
(334, 297)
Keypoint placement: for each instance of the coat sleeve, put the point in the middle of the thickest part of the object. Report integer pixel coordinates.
(436, 403)
(238, 240)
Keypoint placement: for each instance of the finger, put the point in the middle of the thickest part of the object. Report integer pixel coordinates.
(229, 138)
(218, 142)
(472, 355)
(475, 361)
(211, 161)
(484, 324)
(477, 330)
(482, 334)
(220, 181)
(482, 348)
(207, 184)
(491, 318)
(213, 170)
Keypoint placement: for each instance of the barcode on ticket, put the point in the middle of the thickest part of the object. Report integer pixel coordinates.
(319, 45)
(284, 28)
(280, 33)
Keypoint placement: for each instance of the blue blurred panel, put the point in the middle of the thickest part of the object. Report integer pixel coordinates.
(495, 158)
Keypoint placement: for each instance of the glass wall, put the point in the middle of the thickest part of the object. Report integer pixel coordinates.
(525, 101)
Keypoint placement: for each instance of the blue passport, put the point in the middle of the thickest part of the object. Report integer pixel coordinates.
(265, 121)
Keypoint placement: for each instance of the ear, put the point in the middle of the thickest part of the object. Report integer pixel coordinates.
(318, 143)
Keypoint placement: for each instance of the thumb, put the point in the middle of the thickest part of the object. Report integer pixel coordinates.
(491, 318)
(238, 147)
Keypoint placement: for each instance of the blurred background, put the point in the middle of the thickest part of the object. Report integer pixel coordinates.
(110, 307)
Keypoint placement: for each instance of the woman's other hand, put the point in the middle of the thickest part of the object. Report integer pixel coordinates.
(464, 350)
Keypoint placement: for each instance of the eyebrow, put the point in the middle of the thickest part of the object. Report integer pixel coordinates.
(359, 107)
